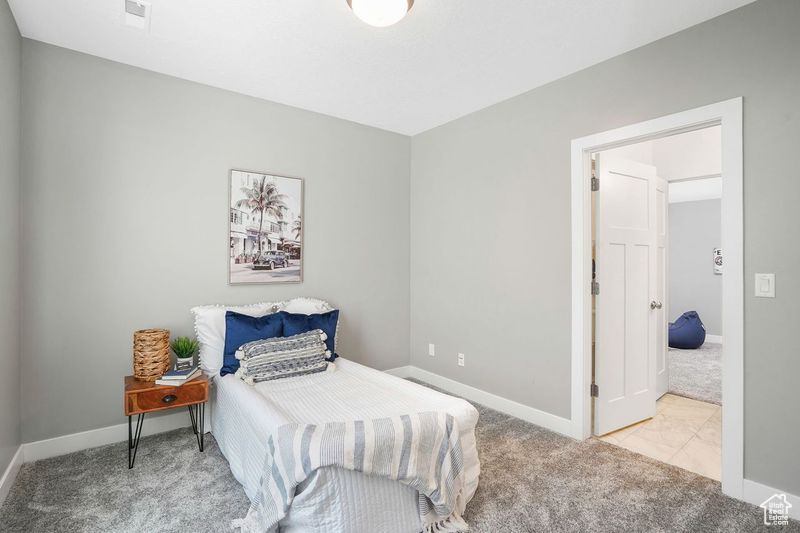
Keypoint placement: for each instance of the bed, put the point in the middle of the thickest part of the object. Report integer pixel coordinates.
(332, 499)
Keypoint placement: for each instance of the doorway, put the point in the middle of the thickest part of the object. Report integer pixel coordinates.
(657, 253)
(727, 115)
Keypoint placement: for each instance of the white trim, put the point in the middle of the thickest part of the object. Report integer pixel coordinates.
(400, 371)
(729, 115)
(43, 449)
(10, 475)
(714, 339)
(701, 190)
(695, 178)
(498, 403)
(756, 493)
(752, 491)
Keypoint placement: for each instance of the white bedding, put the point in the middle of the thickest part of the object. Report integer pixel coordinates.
(243, 416)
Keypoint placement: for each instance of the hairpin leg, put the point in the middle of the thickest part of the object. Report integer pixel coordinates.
(197, 413)
(133, 438)
(192, 416)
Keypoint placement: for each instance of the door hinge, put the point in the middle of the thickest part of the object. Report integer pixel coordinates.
(595, 184)
(595, 288)
(594, 390)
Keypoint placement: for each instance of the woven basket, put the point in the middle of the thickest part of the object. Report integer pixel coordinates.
(150, 354)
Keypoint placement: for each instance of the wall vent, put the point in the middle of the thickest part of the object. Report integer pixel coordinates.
(137, 14)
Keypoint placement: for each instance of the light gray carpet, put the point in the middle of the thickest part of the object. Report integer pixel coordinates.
(173, 488)
(697, 374)
(532, 480)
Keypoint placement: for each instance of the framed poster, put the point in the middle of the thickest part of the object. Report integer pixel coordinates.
(266, 228)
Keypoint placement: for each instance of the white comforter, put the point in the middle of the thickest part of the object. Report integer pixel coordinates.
(243, 416)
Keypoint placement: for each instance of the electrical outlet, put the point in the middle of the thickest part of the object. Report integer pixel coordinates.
(431, 350)
(461, 359)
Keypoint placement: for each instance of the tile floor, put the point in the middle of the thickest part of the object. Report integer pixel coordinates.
(685, 433)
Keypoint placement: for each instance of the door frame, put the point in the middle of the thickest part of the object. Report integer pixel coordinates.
(728, 114)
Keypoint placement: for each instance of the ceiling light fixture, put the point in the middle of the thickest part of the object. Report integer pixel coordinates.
(380, 13)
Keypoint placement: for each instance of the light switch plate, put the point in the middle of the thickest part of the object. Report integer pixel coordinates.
(765, 285)
(431, 350)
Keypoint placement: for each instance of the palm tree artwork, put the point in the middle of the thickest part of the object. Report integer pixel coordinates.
(265, 199)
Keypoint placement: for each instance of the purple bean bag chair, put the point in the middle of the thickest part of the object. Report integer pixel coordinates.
(687, 332)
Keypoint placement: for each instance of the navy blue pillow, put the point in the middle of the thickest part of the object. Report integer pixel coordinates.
(294, 324)
(241, 329)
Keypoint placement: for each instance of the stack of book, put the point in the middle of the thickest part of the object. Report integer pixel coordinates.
(176, 378)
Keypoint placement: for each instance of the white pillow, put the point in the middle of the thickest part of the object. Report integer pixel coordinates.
(312, 306)
(209, 327)
(306, 306)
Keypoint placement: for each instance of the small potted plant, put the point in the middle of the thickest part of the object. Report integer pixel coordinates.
(184, 349)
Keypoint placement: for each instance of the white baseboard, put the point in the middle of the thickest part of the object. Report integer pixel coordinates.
(757, 493)
(714, 339)
(400, 371)
(752, 491)
(504, 405)
(10, 474)
(43, 449)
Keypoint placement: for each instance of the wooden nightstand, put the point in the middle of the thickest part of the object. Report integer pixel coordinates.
(143, 397)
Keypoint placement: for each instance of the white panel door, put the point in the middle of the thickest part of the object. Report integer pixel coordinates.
(662, 284)
(626, 261)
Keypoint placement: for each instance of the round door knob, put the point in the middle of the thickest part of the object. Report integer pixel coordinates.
(655, 305)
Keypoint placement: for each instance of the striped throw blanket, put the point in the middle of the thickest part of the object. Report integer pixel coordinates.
(421, 450)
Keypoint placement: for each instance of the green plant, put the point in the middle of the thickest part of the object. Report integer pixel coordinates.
(185, 347)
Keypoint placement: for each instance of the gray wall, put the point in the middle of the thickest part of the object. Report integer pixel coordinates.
(695, 229)
(126, 199)
(10, 68)
(125, 176)
(490, 219)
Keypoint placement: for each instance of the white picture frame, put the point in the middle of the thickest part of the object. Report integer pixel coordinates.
(265, 228)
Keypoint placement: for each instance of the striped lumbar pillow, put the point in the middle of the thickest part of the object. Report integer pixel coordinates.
(283, 357)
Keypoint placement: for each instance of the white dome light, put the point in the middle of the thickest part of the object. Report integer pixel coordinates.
(380, 13)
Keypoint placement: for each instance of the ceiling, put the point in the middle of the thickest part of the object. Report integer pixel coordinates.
(686, 156)
(446, 59)
(691, 162)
